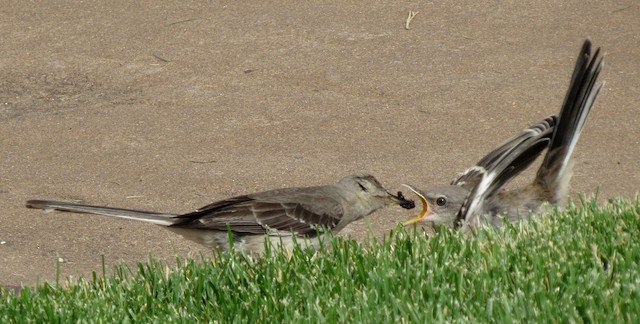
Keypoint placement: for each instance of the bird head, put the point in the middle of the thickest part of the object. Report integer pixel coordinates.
(439, 205)
(369, 192)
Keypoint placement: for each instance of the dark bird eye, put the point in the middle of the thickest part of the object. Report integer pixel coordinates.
(441, 201)
(362, 187)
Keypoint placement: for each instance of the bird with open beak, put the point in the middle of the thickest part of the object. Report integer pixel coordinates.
(478, 196)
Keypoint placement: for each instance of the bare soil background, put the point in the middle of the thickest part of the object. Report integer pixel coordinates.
(169, 106)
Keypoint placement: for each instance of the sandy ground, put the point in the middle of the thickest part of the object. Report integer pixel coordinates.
(170, 106)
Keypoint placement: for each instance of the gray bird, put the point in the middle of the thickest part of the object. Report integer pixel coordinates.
(477, 196)
(282, 215)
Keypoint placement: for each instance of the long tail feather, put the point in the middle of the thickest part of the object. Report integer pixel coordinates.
(139, 215)
(555, 172)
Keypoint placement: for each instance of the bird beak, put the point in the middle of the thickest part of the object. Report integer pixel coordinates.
(425, 207)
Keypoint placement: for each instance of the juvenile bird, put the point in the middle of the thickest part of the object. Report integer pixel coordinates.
(477, 196)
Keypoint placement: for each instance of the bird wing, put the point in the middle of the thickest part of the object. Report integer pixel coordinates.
(501, 165)
(302, 211)
(472, 176)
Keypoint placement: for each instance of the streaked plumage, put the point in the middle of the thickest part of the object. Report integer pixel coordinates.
(477, 196)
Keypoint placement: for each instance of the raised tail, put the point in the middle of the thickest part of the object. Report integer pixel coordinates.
(555, 171)
(145, 216)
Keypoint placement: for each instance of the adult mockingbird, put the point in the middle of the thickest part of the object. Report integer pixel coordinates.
(477, 196)
(281, 215)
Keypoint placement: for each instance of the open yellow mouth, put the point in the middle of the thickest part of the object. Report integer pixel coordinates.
(425, 207)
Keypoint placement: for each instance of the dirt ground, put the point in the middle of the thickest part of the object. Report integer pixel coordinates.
(170, 106)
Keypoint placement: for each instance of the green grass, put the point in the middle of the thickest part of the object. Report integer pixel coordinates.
(578, 265)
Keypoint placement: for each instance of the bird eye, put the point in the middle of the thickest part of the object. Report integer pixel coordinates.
(441, 201)
(362, 187)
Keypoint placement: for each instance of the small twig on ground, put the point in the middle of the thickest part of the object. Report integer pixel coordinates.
(181, 22)
(618, 10)
(159, 58)
(410, 18)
